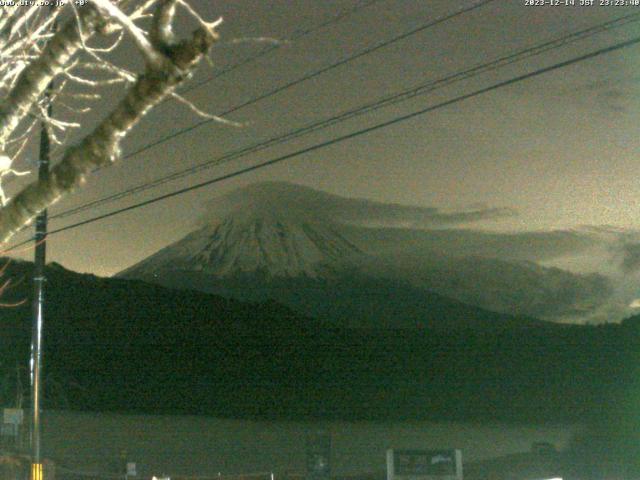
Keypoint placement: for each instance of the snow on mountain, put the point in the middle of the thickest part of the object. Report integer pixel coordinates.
(271, 229)
(285, 230)
(274, 246)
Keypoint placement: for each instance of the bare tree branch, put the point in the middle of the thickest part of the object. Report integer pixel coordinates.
(34, 79)
(144, 45)
(170, 66)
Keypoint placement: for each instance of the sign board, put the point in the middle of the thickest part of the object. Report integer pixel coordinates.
(424, 464)
(131, 469)
(319, 456)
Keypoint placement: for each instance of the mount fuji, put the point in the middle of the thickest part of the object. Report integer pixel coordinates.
(359, 263)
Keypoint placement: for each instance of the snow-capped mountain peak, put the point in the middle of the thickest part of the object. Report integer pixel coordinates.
(296, 244)
(282, 229)
(268, 228)
(269, 244)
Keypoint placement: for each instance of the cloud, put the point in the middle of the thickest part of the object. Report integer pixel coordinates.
(297, 202)
(611, 95)
(456, 242)
(614, 99)
(630, 257)
(371, 214)
(635, 303)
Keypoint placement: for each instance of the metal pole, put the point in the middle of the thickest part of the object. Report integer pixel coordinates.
(39, 280)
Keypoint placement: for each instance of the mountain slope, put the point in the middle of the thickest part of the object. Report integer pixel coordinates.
(355, 300)
(281, 229)
(358, 261)
(519, 288)
(273, 246)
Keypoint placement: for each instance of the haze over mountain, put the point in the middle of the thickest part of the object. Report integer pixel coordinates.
(347, 259)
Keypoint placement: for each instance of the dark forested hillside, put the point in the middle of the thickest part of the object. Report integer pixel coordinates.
(124, 345)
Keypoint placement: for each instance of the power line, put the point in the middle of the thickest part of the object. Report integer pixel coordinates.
(304, 78)
(367, 108)
(351, 135)
(298, 34)
(295, 36)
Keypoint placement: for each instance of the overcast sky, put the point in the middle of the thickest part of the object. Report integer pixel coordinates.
(560, 149)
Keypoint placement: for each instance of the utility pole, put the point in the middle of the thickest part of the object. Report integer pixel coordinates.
(39, 280)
